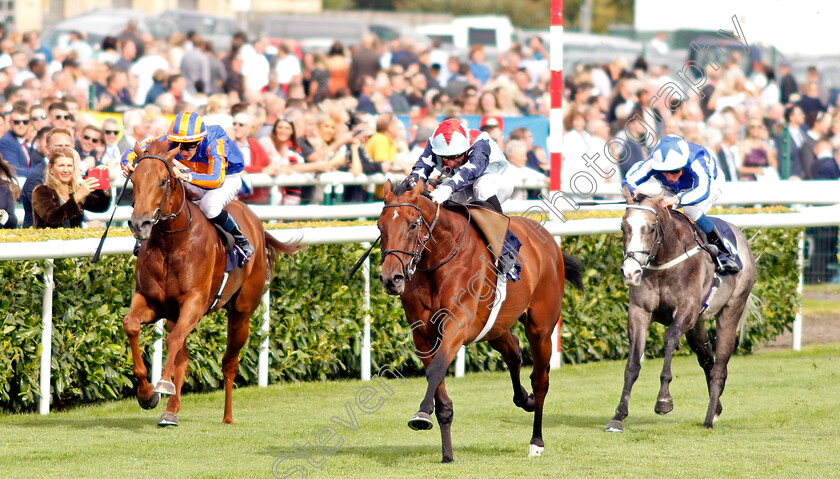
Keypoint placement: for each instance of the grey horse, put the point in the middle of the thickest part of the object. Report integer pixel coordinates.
(671, 276)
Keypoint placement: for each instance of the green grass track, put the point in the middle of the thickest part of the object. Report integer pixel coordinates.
(780, 419)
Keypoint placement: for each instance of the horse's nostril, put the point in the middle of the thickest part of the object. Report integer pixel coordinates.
(398, 279)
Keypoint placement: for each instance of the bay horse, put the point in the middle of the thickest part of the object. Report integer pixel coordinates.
(447, 303)
(180, 268)
(670, 278)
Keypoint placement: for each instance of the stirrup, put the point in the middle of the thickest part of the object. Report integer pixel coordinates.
(725, 264)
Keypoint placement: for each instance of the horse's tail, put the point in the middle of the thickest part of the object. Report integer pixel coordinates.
(574, 271)
(275, 248)
(751, 308)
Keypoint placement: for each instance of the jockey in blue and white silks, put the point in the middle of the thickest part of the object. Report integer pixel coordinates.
(690, 173)
(471, 160)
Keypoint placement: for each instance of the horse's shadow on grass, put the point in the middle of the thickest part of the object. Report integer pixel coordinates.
(398, 454)
(127, 423)
(596, 422)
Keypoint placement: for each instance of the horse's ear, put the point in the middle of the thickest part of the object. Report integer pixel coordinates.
(137, 150)
(387, 188)
(173, 152)
(656, 199)
(418, 188)
(625, 190)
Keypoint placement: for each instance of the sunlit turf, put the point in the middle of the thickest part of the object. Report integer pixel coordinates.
(779, 420)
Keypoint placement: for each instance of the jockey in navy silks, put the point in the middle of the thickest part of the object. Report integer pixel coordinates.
(208, 163)
(472, 168)
(471, 163)
(690, 173)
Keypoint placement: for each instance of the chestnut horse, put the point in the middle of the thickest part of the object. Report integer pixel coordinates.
(448, 302)
(179, 271)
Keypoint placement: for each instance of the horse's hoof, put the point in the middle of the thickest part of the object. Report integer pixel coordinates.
(165, 387)
(149, 403)
(614, 426)
(664, 406)
(709, 425)
(168, 419)
(447, 460)
(535, 451)
(421, 422)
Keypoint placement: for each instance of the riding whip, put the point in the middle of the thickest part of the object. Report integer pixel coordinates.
(363, 258)
(95, 258)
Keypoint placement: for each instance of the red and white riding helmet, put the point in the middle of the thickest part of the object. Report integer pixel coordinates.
(451, 138)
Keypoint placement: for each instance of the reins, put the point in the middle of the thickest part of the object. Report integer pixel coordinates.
(158, 214)
(421, 241)
(660, 237)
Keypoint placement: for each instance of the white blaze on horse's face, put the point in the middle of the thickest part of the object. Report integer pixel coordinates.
(638, 240)
(396, 214)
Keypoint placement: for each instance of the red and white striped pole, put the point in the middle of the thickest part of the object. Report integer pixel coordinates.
(555, 128)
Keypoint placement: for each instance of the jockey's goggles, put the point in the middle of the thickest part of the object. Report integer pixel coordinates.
(452, 157)
(189, 146)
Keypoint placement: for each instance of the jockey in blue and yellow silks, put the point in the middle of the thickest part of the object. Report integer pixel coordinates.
(208, 163)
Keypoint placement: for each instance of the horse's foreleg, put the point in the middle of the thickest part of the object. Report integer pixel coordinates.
(177, 356)
(638, 321)
(139, 314)
(683, 317)
(508, 346)
(698, 340)
(444, 413)
(727, 333)
(237, 336)
(173, 405)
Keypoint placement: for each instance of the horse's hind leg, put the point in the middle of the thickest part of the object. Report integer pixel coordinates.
(237, 336)
(638, 321)
(538, 329)
(444, 413)
(727, 332)
(140, 314)
(698, 340)
(508, 346)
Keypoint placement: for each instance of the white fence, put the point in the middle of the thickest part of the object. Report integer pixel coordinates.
(48, 250)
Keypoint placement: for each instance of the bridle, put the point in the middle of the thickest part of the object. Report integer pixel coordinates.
(158, 214)
(659, 236)
(420, 243)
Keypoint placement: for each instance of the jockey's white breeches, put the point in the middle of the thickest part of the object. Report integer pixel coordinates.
(485, 187)
(213, 201)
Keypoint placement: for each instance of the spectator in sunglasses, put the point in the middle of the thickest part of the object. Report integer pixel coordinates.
(110, 151)
(14, 146)
(58, 115)
(90, 147)
(38, 117)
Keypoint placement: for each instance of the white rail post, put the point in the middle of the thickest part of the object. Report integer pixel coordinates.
(556, 360)
(263, 368)
(461, 362)
(157, 352)
(365, 366)
(46, 337)
(797, 322)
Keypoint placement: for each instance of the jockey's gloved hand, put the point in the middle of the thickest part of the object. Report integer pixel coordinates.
(441, 193)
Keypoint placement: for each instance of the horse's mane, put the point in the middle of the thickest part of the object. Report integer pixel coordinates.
(407, 185)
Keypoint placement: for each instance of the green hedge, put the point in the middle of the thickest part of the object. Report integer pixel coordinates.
(317, 321)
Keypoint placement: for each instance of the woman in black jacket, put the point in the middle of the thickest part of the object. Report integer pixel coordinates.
(60, 200)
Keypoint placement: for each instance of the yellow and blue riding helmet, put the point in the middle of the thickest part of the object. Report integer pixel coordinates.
(188, 127)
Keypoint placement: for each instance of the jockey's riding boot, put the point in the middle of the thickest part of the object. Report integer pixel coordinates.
(136, 251)
(725, 262)
(230, 225)
(494, 202)
(507, 262)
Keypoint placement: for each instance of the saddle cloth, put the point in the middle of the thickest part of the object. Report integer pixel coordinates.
(233, 254)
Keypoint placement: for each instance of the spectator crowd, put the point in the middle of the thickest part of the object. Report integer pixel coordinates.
(335, 114)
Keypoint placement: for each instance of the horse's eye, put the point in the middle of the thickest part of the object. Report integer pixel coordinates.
(413, 225)
(162, 183)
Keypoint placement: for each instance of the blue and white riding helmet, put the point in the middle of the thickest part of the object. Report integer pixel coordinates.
(670, 154)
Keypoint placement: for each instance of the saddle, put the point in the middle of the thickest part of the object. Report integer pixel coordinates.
(494, 228)
(232, 255)
(726, 233)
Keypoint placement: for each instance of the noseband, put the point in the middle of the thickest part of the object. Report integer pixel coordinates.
(420, 243)
(158, 214)
(659, 236)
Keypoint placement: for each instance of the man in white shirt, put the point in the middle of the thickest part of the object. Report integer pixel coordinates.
(287, 67)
